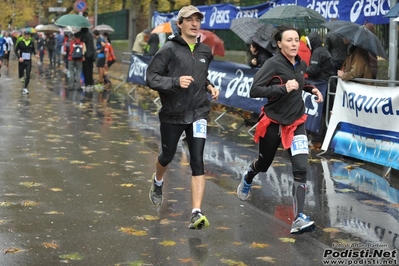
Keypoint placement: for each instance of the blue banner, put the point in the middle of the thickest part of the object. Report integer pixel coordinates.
(218, 17)
(234, 82)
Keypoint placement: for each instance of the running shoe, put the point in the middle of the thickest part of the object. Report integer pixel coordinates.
(22, 79)
(302, 224)
(198, 221)
(243, 189)
(25, 91)
(155, 192)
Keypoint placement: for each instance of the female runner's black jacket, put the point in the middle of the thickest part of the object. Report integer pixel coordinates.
(173, 60)
(269, 82)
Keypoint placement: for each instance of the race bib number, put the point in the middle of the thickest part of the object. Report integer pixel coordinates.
(199, 128)
(26, 56)
(299, 145)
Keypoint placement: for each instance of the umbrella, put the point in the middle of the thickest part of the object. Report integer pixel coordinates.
(213, 41)
(50, 28)
(15, 33)
(38, 27)
(264, 35)
(73, 20)
(104, 28)
(358, 35)
(30, 29)
(246, 28)
(163, 28)
(293, 15)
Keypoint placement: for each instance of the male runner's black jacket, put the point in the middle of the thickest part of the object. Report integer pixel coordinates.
(22, 47)
(269, 82)
(173, 60)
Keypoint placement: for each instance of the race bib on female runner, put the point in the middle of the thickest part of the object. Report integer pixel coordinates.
(299, 145)
(26, 56)
(199, 128)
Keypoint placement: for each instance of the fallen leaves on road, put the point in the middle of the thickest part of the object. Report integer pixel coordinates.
(132, 231)
(259, 245)
(50, 245)
(167, 243)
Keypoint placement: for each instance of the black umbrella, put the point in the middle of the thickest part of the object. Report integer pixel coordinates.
(293, 15)
(264, 35)
(358, 35)
(246, 28)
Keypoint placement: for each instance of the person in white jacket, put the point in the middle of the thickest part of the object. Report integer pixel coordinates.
(10, 43)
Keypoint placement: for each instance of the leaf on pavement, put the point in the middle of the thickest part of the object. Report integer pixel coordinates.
(165, 221)
(50, 245)
(232, 262)
(267, 258)
(132, 231)
(13, 250)
(287, 239)
(237, 243)
(86, 152)
(73, 256)
(55, 189)
(29, 203)
(222, 228)
(150, 217)
(167, 243)
(127, 185)
(278, 164)
(53, 212)
(6, 204)
(114, 174)
(175, 214)
(76, 162)
(185, 260)
(30, 184)
(259, 245)
(234, 125)
(331, 230)
(61, 158)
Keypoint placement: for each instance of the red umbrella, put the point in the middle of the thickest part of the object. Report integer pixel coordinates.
(213, 41)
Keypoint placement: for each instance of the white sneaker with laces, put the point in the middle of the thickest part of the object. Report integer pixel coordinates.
(25, 91)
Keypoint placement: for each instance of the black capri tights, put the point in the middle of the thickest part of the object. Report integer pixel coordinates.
(268, 147)
(170, 135)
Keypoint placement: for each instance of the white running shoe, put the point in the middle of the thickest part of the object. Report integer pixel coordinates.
(25, 91)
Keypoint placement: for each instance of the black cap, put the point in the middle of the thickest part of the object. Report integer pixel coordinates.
(26, 32)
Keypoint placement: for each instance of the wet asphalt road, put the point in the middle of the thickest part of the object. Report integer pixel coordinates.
(75, 171)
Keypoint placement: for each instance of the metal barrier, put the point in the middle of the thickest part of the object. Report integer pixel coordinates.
(126, 57)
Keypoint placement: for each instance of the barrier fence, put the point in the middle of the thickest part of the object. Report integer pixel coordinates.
(364, 122)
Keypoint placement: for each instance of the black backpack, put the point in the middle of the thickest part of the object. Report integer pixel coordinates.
(77, 52)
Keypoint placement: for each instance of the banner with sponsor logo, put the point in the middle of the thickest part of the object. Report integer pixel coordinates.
(219, 16)
(364, 123)
(234, 82)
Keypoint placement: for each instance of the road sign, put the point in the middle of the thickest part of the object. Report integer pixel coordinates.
(57, 9)
(80, 5)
